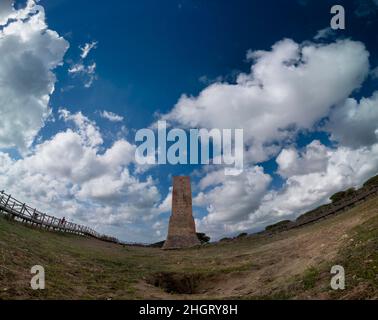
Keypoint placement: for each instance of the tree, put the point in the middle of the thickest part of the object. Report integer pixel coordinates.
(203, 238)
(242, 235)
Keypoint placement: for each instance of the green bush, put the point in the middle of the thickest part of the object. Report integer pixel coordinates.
(343, 195)
(310, 277)
(279, 225)
(371, 182)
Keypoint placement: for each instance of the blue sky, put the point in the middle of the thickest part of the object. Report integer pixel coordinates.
(150, 53)
(146, 55)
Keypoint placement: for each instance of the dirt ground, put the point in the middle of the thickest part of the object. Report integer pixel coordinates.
(276, 264)
(290, 265)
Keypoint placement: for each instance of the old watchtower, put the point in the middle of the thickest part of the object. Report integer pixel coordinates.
(182, 229)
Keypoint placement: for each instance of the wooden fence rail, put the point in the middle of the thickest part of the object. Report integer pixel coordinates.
(342, 205)
(324, 212)
(21, 212)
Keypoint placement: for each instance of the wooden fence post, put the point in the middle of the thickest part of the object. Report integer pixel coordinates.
(6, 203)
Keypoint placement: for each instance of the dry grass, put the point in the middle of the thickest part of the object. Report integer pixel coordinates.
(292, 264)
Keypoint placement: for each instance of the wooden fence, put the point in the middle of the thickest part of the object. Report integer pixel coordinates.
(324, 212)
(21, 212)
(340, 206)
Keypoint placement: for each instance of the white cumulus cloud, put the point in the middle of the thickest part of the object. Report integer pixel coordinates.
(313, 179)
(30, 51)
(73, 174)
(313, 159)
(355, 123)
(289, 88)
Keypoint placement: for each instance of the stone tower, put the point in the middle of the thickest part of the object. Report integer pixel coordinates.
(182, 229)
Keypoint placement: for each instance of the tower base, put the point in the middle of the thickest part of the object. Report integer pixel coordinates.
(180, 242)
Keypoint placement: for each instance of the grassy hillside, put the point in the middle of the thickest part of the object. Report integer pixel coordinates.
(289, 265)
